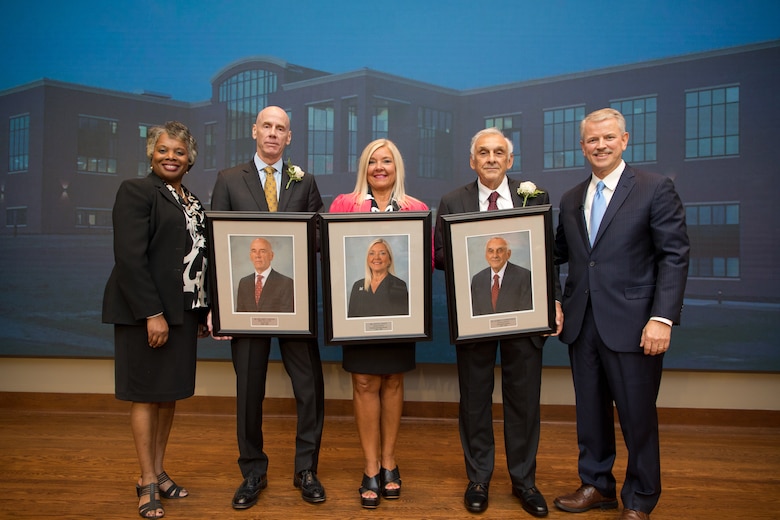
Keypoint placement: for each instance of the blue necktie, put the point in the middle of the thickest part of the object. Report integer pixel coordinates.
(597, 209)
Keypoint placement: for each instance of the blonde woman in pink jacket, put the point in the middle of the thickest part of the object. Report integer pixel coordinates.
(378, 370)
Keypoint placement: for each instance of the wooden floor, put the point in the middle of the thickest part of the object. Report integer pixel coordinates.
(72, 457)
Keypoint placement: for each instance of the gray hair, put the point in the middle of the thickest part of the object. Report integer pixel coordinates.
(175, 130)
(490, 131)
(603, 114)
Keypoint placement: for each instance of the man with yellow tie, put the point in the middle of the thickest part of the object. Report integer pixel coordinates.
(266, 183)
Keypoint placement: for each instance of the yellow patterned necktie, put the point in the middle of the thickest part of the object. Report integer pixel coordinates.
(270, 188)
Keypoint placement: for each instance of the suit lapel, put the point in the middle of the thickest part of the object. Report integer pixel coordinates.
(255, 187)
(284, 192)
(470, 199)
(582, 226)
(624, 187)
(163, 189)
(517, 200)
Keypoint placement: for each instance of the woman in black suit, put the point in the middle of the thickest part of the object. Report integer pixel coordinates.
(380, 293)
(156, 299)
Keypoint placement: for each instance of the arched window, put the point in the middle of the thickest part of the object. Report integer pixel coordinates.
(246, 93)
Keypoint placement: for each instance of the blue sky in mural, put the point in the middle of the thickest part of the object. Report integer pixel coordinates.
(176, 47)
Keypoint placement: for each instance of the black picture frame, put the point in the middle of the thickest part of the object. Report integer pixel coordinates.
(528, 232)
(293, 238)
(345, 239)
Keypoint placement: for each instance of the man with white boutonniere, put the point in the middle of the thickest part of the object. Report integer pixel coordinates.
(521, 358)
(267, 183)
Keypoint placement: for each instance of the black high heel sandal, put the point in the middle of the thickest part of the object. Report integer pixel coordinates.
(173, 491)
(386, 477)
(369, 484)
(153, 505)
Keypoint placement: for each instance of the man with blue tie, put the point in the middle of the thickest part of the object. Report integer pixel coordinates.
(623, 234)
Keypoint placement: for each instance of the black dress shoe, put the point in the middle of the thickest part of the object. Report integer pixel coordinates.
(311, 488)
(476, 497)
(531, 500)
(248, 492)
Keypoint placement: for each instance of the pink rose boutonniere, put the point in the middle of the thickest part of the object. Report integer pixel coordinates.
(294, 174)
(528, 190)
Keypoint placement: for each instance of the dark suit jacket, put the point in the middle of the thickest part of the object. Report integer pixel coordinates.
(466, 200)
(638, 265)
(390, 299)
(239, 189)
(277, 296)
(150, 242)
(515, 293)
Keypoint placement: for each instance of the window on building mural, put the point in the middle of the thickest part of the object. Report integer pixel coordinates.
(93, 218)
(435, 140)
(712, 122)
(511, 126)
(641, 116)
(97, 145)
(244, 94)
(352, 136)
(320, 143)
(209, 148)
(380, 123)
(19, 143)
(714, 233)
(16, 216)
(562, 137)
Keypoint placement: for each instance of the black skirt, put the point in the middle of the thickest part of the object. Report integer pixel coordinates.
(147, 375)
(379, 358)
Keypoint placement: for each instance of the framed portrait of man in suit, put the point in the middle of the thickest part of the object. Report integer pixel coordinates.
(263, 273)
(376, 276)
(499, 275)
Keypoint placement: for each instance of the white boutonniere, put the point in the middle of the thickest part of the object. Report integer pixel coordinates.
(528, 190)
(295, 173)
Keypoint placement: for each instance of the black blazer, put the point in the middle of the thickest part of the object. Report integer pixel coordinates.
(150, 241)
(239, 189)
(278, 294)
(515, 293)
(390, 299)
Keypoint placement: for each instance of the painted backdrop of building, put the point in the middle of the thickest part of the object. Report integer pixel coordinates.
(705, 119)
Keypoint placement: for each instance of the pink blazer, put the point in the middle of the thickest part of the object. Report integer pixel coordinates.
(347, 203)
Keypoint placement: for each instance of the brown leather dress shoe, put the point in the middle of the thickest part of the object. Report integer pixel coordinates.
(632, 514)
(585, 498)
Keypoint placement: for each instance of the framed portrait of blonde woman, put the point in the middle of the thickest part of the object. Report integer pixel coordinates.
(376, 276)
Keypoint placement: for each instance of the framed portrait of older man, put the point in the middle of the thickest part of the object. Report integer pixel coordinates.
(263, 273)
(376, 276)
(499, 276)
